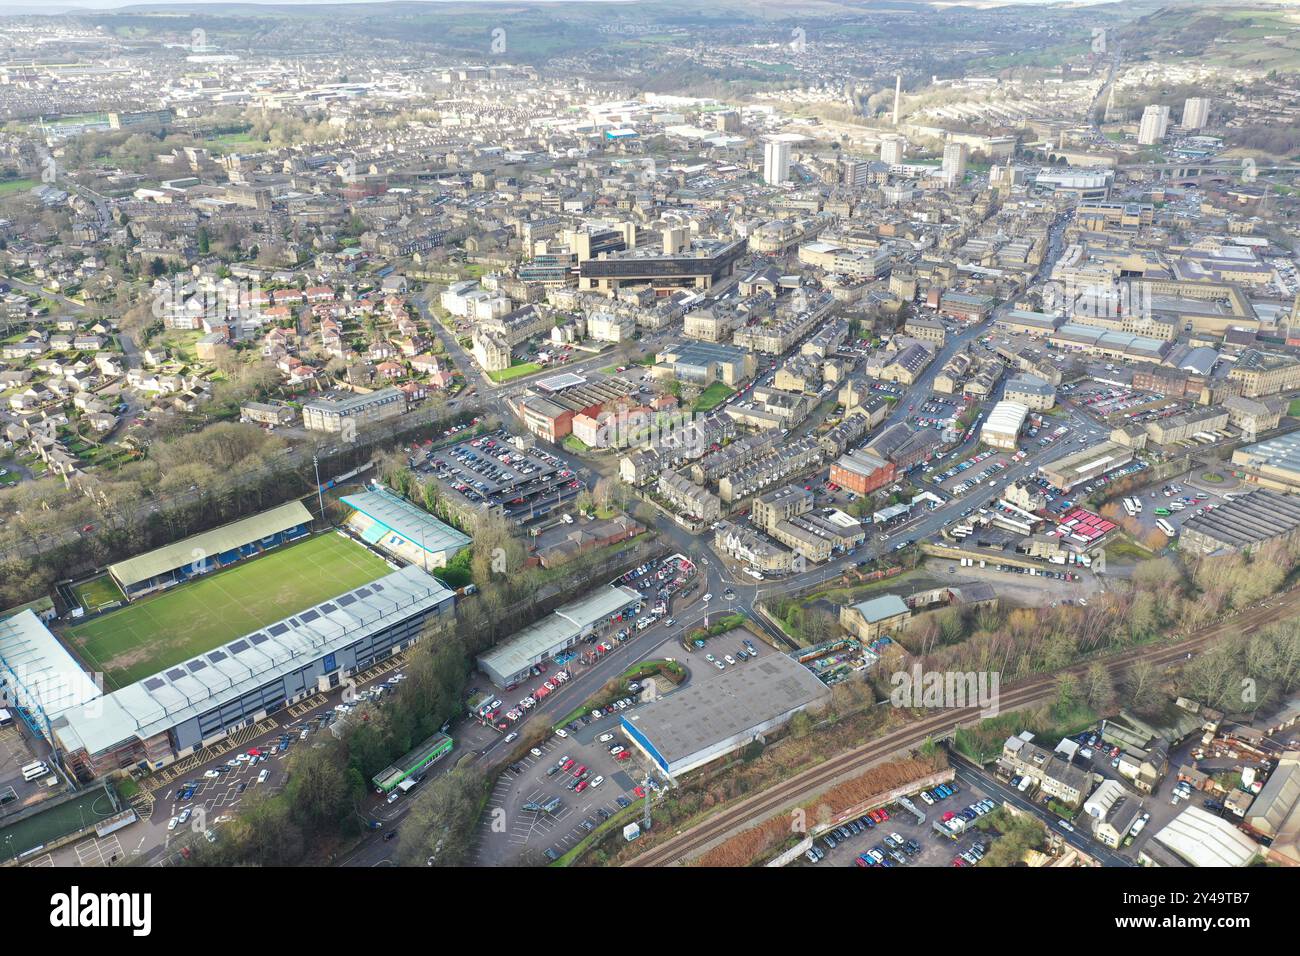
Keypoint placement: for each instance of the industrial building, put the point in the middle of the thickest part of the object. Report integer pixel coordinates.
(1002, 429)
(1273, 464)
(1086, 465)
(509, 662)
(1198, 838)
(862, 471)
(708, 719)
(1275, 814)
(1244, 524)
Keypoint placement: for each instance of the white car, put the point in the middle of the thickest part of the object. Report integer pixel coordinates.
(561, 733)
(535, 752)
(173, 823)
(511, 736)
(211, 774)
(261, 777)
(728, 658)
(605, 738)
(708, 598)
(616, 750)
(929, 800)
(598, 781)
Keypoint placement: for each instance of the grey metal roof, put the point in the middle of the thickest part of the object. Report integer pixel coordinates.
(707, 712)
(209, 544)
(407, 520)
(554, 630)
(38, 671)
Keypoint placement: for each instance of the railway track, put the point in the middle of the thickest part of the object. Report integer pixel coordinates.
(803, 786)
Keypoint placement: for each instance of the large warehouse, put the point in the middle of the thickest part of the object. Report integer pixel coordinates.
(1273, 463)
(1084, 466)
(1002, 429)
(407, 531)
(211, 550)
(1244, 523)
(1198, 838)
(510, 662)
(186, 707)
(708, 719)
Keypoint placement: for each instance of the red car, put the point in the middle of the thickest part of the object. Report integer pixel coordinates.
(640, 792)
(567, 765)
(625, 755)
(254, 752)
(580, 771)
(580, 787)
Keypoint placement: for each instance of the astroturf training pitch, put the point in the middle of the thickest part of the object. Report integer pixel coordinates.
(154, 633)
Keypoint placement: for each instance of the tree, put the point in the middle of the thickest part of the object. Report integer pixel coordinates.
(441, 825)
(1143, 685)
(1099, 689)
(1067, 694)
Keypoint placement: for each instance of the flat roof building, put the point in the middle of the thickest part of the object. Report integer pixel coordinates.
(708, 719)
(1274, 463)
(1083, 466)
(510, 661)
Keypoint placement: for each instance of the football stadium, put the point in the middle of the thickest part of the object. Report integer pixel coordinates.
(213, 647)
(163, 629)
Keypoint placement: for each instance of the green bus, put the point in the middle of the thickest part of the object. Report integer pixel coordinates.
(413, 765)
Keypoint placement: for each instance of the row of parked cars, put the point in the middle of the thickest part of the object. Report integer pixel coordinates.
(934, 795)
(895, 851)
(845, 831)
(970, 857)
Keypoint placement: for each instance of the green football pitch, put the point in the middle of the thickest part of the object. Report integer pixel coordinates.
(156, 632)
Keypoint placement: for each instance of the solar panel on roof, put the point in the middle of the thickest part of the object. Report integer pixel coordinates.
(176, 673)
(309, 616)
(239, 647)
(262, 638)
(196, 666)
(363, 592)
(377, 586)
(153, 683)
(328, 608)
(216, 657)
(347, 599)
